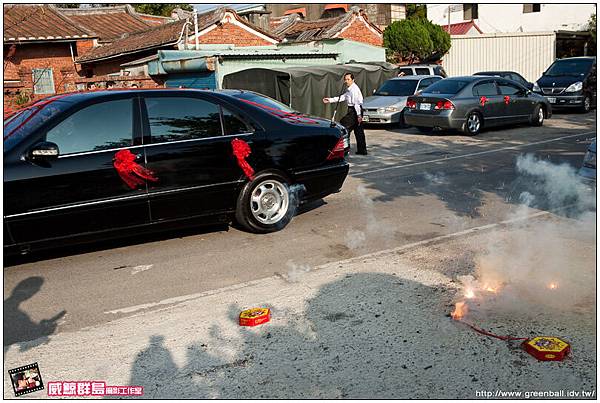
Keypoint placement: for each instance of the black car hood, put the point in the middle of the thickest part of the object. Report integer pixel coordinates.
(558, 81)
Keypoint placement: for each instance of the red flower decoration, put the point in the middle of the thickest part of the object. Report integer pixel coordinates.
(132, 173)
(506, 99)
(483, 100)
(242, 150)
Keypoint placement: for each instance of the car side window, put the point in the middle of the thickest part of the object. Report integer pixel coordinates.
(509, 89)
(422, 71)
(89, 129)
(424, 84)
(487, 89)
(182, 118)
(405, 72)
(234, 124)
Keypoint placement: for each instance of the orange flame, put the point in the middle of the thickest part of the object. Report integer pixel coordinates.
(460, 310)
(553, 286)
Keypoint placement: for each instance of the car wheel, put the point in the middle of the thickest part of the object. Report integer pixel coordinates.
(587, 104)
(472, 125)
(424, 129)
(265, 204)
(537, 118)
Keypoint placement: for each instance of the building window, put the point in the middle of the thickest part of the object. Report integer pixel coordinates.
(43, 81)
(470, 12)
(531, 8)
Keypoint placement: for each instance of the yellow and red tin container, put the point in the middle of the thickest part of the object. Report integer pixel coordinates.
(255, 316)
(546, 348)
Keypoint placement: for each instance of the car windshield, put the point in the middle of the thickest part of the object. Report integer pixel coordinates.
(570, 67)
(446, 87)
(397, 88)
(27, 120)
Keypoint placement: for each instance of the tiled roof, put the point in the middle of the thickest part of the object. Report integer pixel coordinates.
(157, 37)
(37, 22)
(462, 28)
(109, 23)
(297, 30)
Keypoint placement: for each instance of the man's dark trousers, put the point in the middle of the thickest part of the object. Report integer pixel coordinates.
(350, 122)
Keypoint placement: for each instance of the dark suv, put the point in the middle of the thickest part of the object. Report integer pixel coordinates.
(569, 83)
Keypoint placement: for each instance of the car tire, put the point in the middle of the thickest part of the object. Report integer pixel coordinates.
(424, 129)
(537, 118)
(586, 106)
(266, 204)
(473, 124)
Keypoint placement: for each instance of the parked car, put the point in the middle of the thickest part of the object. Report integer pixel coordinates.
(85, 166)
(473, 102)
(569, 83)
(422, 70)
(388, 102)
(510, 75)
(588, 169)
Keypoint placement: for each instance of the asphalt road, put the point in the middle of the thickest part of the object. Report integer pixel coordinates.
(411, 187)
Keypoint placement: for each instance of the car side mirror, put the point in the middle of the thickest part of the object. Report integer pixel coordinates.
(44, 151)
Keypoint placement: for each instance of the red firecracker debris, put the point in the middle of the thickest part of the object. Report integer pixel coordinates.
(255, 316)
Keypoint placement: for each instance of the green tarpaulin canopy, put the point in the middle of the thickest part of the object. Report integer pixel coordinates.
(303, 88)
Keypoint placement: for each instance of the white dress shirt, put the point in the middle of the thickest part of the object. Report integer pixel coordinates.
(352, 96)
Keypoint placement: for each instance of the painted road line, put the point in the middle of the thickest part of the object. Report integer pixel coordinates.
(183, 298)
(359, 174)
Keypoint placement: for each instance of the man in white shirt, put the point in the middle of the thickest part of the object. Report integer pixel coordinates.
(353, 119)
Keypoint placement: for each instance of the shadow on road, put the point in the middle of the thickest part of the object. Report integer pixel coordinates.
(366, 335)
(18, 326)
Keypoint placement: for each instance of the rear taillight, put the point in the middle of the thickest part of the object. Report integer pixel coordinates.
(338, 150)
(411, 104)
(443, 105)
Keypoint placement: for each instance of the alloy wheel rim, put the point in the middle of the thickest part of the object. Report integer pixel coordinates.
(586, 103)
(540, 116)
(269, 202)
(473, 123)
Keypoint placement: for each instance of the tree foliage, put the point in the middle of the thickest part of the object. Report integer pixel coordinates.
(416, 39)
(592, 28)
(416, 11)
(161, 9)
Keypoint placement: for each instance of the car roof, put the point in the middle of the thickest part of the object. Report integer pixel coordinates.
(578, 57)
(419, 65)
(415, 77)
(484, 73)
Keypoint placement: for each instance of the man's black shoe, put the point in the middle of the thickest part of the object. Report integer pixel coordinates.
(359, 153)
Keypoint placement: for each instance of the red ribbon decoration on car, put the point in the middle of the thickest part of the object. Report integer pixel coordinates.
(482, 101)
(506, 99)
(132, 173)
(242, 150)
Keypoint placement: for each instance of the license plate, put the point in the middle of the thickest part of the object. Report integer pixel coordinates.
(552, 100)
(365, 118)
(425, 107)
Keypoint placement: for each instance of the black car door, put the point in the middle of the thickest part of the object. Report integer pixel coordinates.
(490, 102)
(518, 107)
(81, 191)
(190, 153)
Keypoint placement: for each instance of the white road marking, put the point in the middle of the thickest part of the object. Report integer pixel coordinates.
(359, 174)
(188, 297)
(141, 268)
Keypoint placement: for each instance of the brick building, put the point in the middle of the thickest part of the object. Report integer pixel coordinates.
(353, 24)
(40, 47)
(220, 26)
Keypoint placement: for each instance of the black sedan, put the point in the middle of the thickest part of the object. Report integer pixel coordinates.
(84, 166)
(474, 102)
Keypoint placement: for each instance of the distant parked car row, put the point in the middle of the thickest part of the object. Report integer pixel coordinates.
(422, 97)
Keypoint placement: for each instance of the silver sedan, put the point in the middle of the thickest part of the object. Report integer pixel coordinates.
(387, 104)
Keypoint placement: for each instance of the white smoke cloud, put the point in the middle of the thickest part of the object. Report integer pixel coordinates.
(375, 230)
(296, 271)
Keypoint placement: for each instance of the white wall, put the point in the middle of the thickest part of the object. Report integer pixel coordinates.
(526, 53)
(510, 17)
